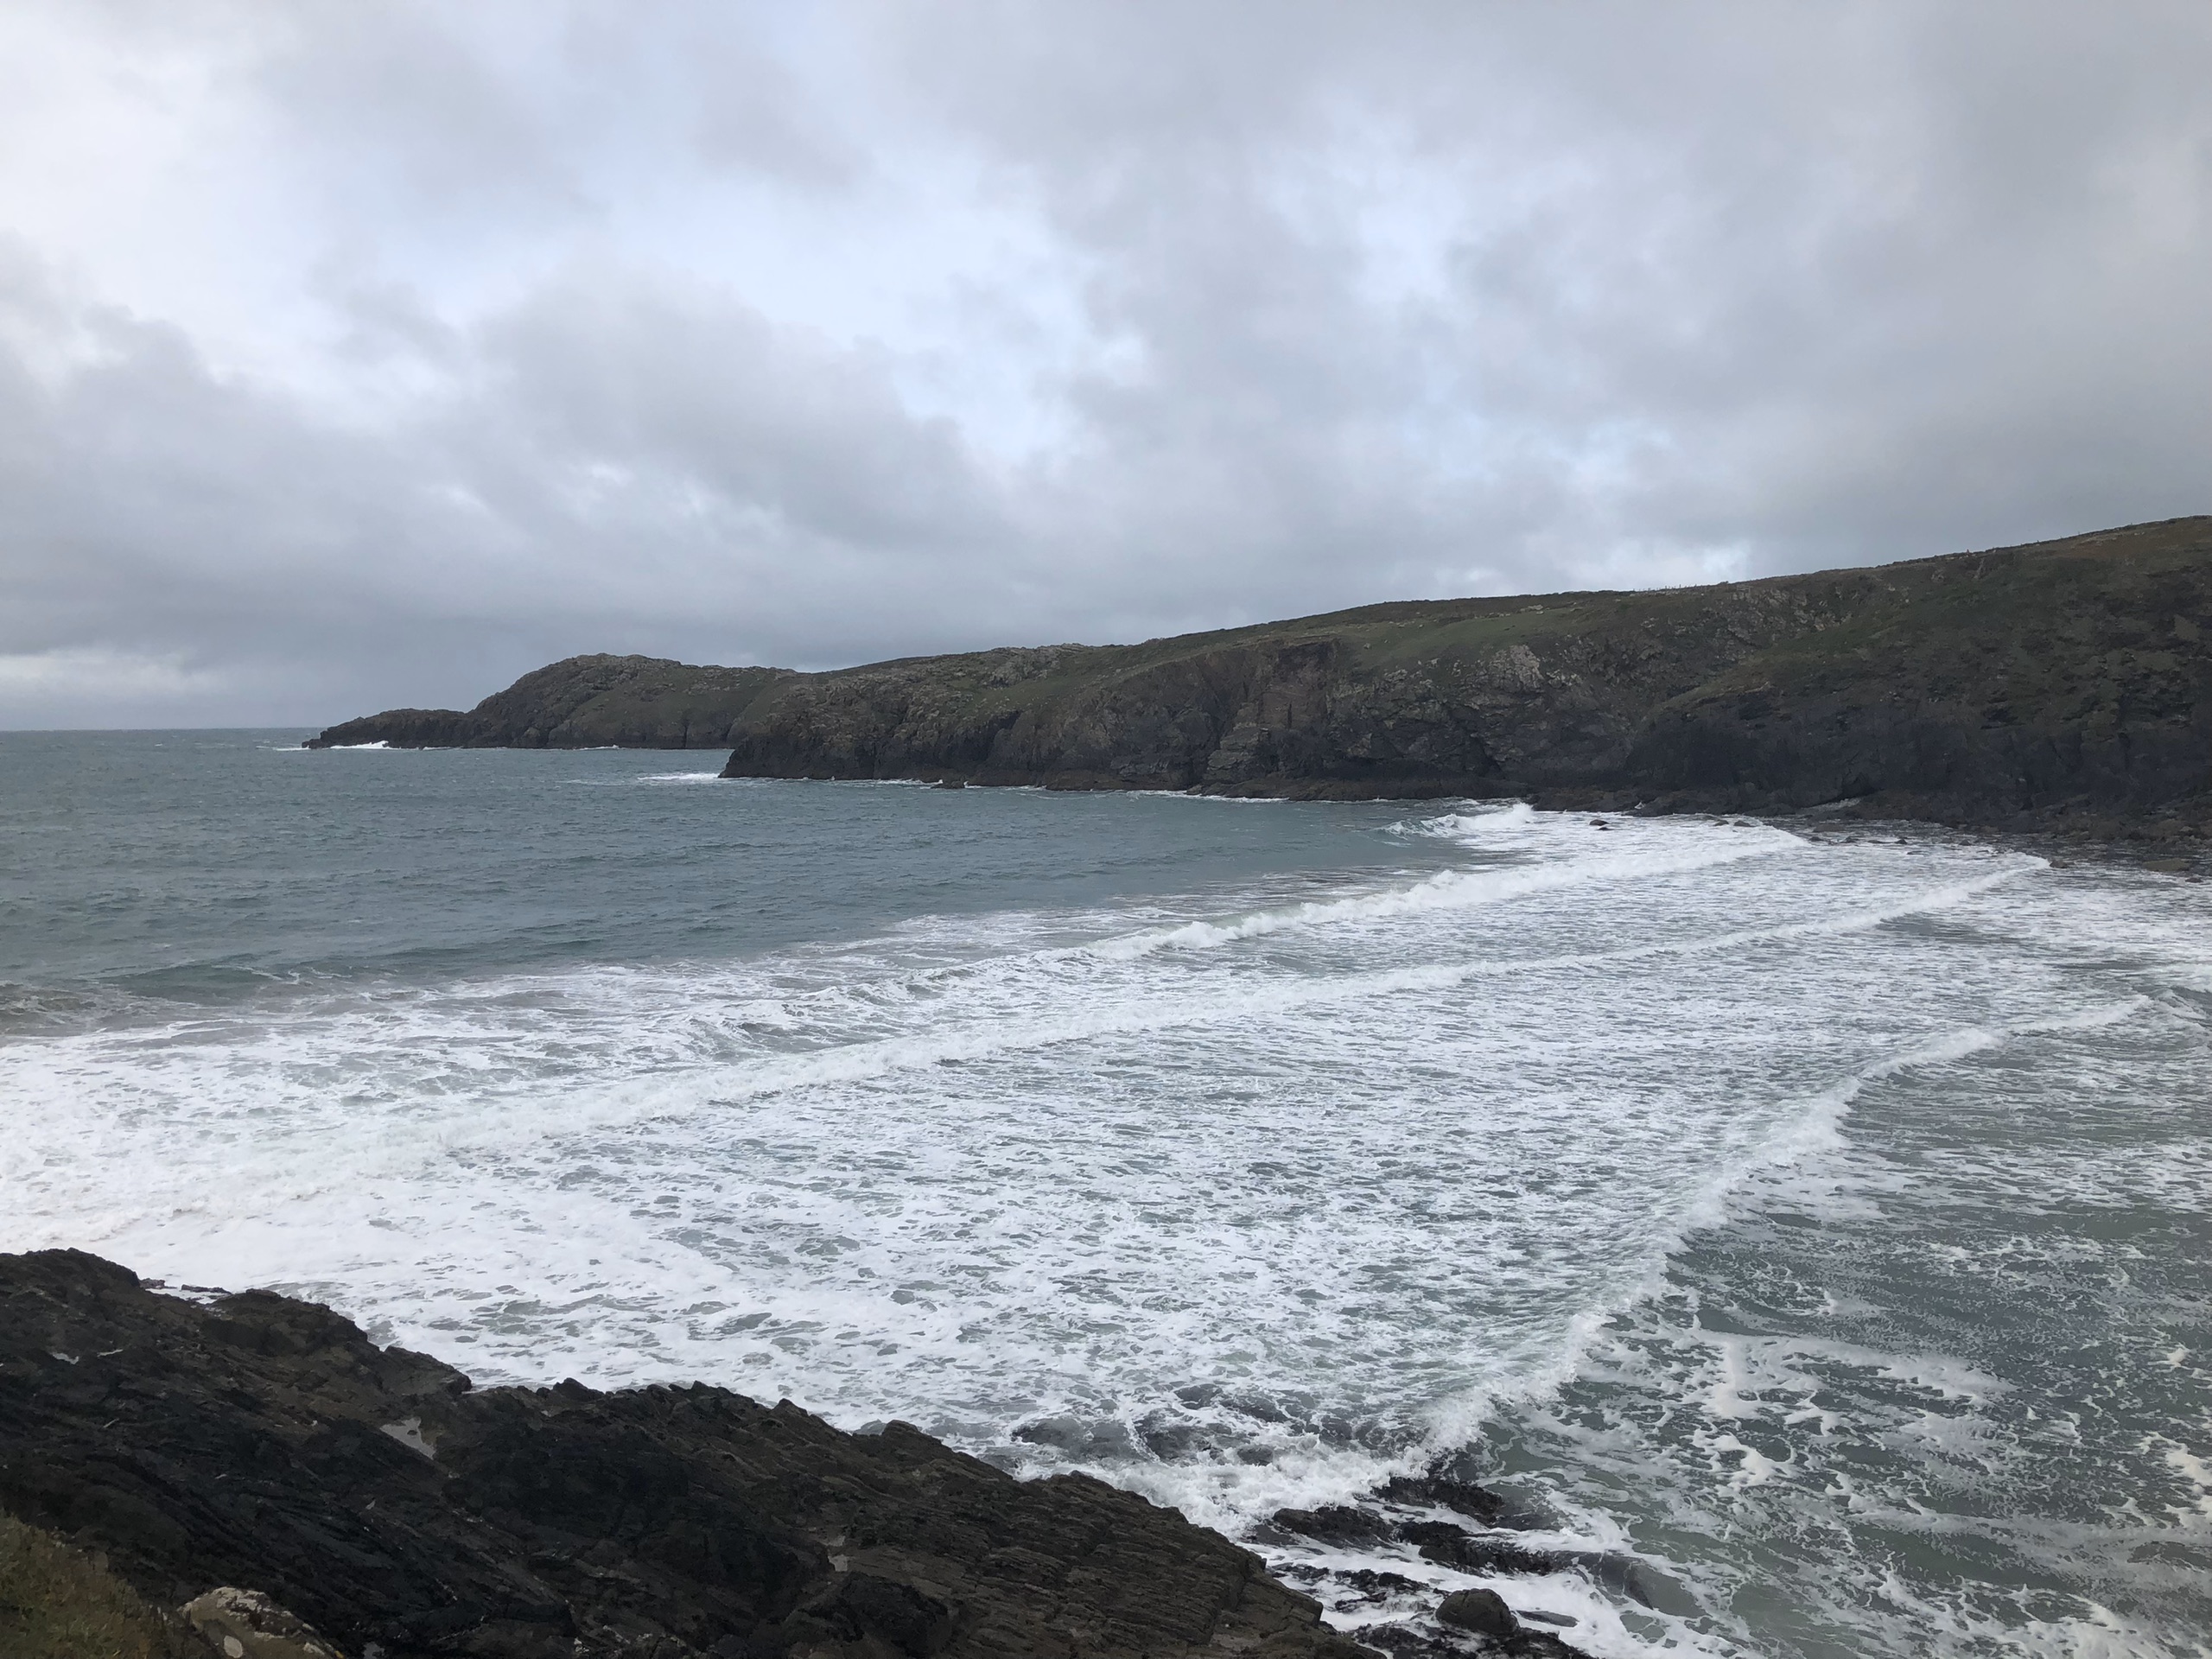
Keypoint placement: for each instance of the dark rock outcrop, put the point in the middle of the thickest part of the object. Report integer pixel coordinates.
(581, 703)
(266, 1444)
(1483, 1612)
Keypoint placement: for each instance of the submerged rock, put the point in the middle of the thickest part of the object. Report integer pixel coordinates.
(267, 1444)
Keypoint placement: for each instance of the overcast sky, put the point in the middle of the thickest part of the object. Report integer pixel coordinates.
(354, 355)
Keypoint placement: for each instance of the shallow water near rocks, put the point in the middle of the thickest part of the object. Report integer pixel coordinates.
(1816, 1224)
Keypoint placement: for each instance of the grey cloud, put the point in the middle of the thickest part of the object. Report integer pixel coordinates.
(1181, 315)
(610, 465)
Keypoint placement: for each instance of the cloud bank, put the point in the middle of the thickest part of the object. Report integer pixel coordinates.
(352, 356)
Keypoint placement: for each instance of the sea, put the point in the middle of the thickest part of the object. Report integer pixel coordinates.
(1803, 1225)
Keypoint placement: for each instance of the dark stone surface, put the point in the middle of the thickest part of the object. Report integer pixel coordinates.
(1483, 1612)
(265, 1443)
(1411, 1642)
(1455, 1546)
(1336, 1524)
(1462, 1497)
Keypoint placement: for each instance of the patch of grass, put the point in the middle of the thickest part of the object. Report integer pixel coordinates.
(56, 1603)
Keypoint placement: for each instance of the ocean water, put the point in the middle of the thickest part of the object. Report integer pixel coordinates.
(1814, 1222)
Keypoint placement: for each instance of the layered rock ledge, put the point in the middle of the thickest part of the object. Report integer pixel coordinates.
(259, 1442)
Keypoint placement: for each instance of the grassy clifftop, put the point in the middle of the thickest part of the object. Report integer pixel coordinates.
(58, 1603)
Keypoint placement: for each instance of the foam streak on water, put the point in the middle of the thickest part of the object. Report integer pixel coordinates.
(1823, 1223)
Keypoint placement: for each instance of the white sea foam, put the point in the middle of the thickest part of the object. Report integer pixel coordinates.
(1248, 1200)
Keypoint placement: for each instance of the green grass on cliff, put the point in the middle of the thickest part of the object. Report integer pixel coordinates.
(57, 1603)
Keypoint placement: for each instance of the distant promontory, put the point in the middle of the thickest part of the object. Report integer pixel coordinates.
(1998, 686)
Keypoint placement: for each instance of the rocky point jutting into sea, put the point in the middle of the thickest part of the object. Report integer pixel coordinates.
(264, 1445)
(2066, 683)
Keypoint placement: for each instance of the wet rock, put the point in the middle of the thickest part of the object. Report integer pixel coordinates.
(1455, 1546)
(245, 1442)
(1462, 1497)
(1409, 1641)
(1336, 1523)
(1372, 1586)
(1641, 1583)
(1483, 1612)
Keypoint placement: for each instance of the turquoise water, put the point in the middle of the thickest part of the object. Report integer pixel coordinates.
(1820, 1220)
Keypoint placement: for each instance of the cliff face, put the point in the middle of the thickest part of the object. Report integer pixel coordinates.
(266, 1443)
(2013, 682)
(1486, 695)
(581, 703)
(1984, 684)
(2068, 674)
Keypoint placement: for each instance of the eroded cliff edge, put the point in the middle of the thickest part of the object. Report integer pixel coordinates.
(266, 1443)
(2072, 674)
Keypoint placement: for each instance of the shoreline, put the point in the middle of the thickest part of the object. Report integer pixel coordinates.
(2171, 839)
(200, 1441)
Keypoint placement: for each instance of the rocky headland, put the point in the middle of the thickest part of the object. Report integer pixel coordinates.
(581, 703)
(2064, 686)
(249, 1475)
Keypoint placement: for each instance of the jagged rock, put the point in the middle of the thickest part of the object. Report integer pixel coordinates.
(1463, 1497)
(1455, 1546)
(1335, 1523)
(1483, 1612)
(246, 1624)
(249, 1442)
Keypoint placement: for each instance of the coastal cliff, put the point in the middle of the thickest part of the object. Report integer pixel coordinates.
(264, 1445)
(2000, 687)
(580, 702)
(1981, 685)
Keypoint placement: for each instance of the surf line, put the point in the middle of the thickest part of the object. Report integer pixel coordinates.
(490, 1129)
(1808, 1123)
(661, 1097)
(1449, 890)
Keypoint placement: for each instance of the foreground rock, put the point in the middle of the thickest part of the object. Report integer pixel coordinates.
(246, 1624)
(2064, 685)
(266, 1445)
